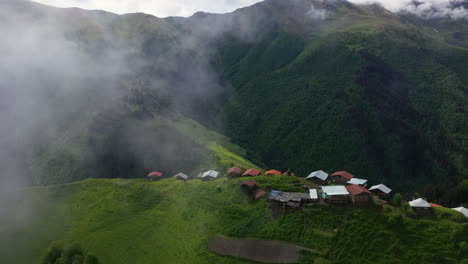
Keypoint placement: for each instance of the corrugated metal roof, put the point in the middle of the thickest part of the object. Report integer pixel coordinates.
(155, 174)
(234, 170)
(258, 193)
(462, 210)
(435, 205)
(210, 173)
(381, 187)
(343, 174)
(357, 181)
(357, 189)
(181, 175)
(288, 196)
(249, 183)
(252, 172)
(275, 172)
(419, 203)
(313, 194)
(335, 190)
(318, 174)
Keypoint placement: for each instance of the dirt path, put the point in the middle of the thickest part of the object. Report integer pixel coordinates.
(259, 250)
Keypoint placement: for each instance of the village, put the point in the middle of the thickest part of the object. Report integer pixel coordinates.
(340, 188)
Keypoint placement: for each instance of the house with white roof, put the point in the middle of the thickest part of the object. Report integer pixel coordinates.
(209, 175)
(336, 194)
(420, 206)
(380, 190)
(462, 210)
(319, 177)
(357, 181)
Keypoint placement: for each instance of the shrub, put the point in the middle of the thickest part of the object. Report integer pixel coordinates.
(53, 253)
(396, 200)
(73, 254)
(91, 259)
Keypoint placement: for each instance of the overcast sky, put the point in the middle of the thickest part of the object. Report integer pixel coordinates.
(164, 8)
(160, 8)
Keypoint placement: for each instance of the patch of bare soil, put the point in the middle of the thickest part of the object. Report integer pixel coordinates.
(268, 251)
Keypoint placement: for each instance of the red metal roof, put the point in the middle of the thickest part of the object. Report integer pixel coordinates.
(252, 172)
(249, 183)
(275, 172)
(357, 189)
(348, 176)
(234, 170)
(258, 193)
(435, 205)
(155, 174)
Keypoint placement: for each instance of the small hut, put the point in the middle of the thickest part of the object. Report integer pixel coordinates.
(380, 190)
(155, 176)
(420, 206)
(234, 172)
(249, 186)
(357, 181)
(272, 172)
(209, 175)
(359, 194)
(462, 210)
(319, 177)
(251, 172)
(337, 194)
(289, 173)
(181, 176)
(341, 177)
(258, 193)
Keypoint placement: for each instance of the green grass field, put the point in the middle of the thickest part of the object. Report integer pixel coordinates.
(135, 221)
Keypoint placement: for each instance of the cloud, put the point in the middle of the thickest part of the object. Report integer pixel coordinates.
(424, 8)
(160, 8)
(316, 13)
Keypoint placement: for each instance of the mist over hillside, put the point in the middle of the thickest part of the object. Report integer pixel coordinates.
(300, 84)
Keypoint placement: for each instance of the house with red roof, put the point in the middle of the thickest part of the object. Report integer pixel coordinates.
(234, 172)
(289, 173)
(359, 195)
(273, 172)
(251, 172)
(341, 177)
(154, 176)
(259, 193)
(251, 188)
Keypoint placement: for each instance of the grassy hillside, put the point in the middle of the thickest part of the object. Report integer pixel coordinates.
(120, 144)
(169, 221)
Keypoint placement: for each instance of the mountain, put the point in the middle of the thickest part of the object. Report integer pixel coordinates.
(285, 84)
(302, 84)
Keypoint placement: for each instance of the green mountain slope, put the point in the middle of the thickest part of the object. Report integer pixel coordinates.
(378, 94)
(301, 84)
(169, 221)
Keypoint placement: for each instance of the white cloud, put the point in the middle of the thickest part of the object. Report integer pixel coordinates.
(160, 8)
(163, 8)
(423, 8)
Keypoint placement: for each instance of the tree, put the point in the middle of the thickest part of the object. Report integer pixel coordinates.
(91, 259)
(396, 200)
(53, 253)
